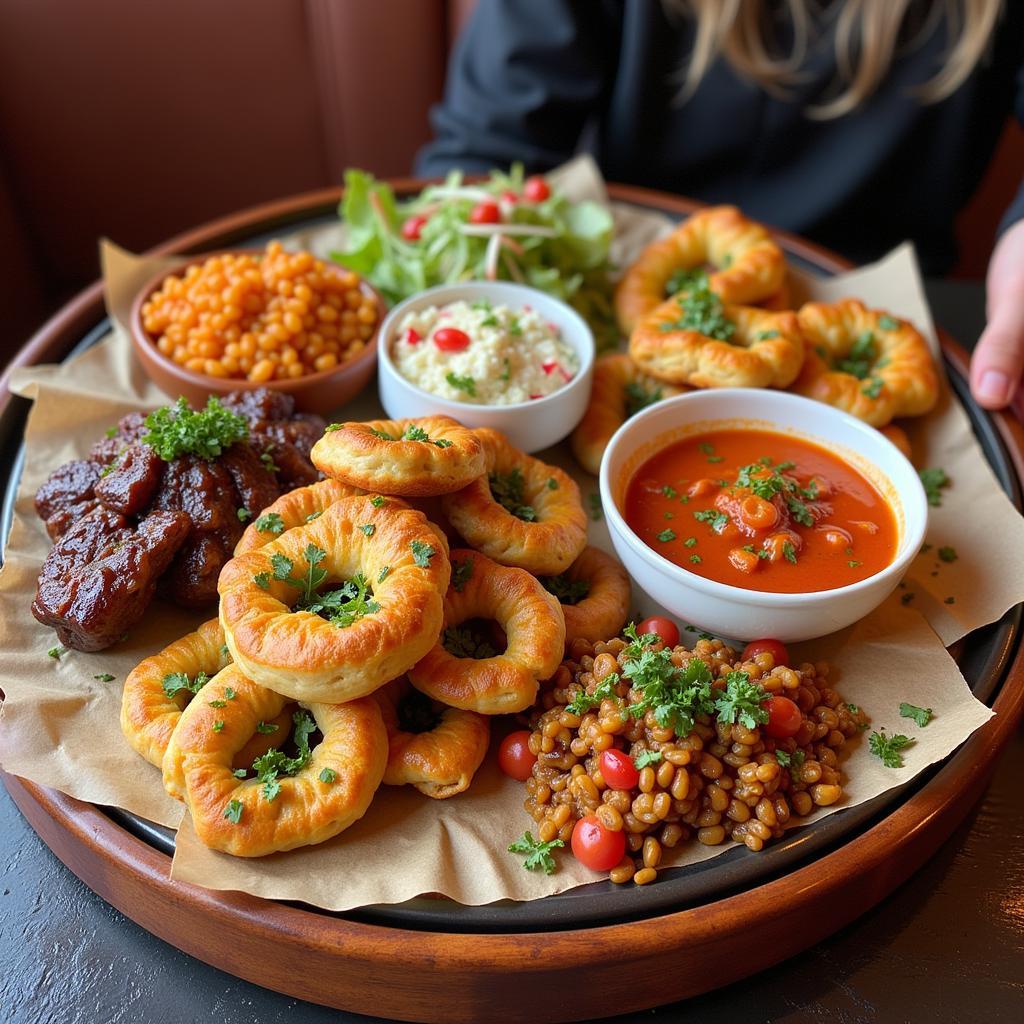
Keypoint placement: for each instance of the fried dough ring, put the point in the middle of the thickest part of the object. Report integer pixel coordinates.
(534, 626)
(295, 508)
(149, 717)
(546, 545)
(440, 762)
(901, 379)
(306, 810)
(751, 266)
(306, 657)
(611, 404)
(355, 455)
(603, 612)
(766, 349)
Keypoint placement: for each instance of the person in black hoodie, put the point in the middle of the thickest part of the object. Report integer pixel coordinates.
(858, 123)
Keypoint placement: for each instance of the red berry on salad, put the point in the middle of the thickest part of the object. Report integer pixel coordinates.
(451, 339)
(412, 228)
(536, 189)
(485, 213)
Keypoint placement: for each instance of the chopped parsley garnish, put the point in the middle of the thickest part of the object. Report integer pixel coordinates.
(567, 591)
(269, 464)
(413, 432)
(314, 515)
(887, 748)
(466, 384)
(667, 535)
(174, 682)
(506, 373)
(56, 652)
(422, 553)
(799, 511)
(873, 388)
(347, 604)
(765, 335)
(229, 692)
(383, 435)
(275, 763)
(462, 573)
(741, 701)
(266, 728)
(669, 492)
(889, 323)
(920, 715)
(538, 854)
(789, 552)
(934, 480)
(552, 484)
(218, 726)
(244, 515)
(383, 574)
(638, 397)
(179, 430)
(594, 508)
(690, 542)
(646, 758)
(377, 500)
(853, 563)
(701, 310)
(905, 599)
(861, 356)
(104, 677)
(233, 811)
(507, 490)
(328, 775)
(217, 703)
(331, 427)
(282, 567)
(462, 642)
(270, 523)
(605, 690)
(947, 554)
(696, 559)
(706, 448)
(715, 519)
(369, 529)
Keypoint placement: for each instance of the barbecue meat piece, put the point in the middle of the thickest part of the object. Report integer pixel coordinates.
(99, 578)
(257, 487)
(130, 482)
(67, 494)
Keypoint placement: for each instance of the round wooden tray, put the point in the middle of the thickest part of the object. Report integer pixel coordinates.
(461, 976)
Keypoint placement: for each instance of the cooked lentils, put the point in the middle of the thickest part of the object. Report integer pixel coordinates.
(723, 781)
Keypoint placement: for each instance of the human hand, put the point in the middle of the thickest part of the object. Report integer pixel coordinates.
(998, 359)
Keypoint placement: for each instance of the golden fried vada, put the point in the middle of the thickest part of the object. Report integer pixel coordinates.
(866, 362)
(302, 801)
(752, 348)
(417, 457)
(594, 593)
(751, 268)
(620, 390)
(523, 512)
(533, 624)
(296, 508)
(441, 759)
(331, 610)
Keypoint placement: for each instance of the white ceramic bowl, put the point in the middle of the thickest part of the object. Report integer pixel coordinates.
(733, 612)
(530, 426)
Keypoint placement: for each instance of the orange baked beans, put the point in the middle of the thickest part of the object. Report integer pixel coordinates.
(260, 316)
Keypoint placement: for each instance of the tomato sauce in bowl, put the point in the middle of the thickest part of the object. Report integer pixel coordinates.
(763, 511)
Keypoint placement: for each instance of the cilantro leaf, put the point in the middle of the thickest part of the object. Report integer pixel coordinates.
(174, 682)
(888, 748)
(462, 642)
(464, 383)
(741, 701)
(422, 553)
(567, 591)
(270, 523)
(934, 480)
(647, 757)
(507, 490)
(233, 811)
(594, 508)
(920, 715)
(538, 854)
(462, 573)
(583, 702)
(948, 554)
(328, 775)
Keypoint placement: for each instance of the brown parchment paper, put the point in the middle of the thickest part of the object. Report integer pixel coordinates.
(59, 725)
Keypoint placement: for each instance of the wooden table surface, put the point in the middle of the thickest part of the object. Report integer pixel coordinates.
(947, 946)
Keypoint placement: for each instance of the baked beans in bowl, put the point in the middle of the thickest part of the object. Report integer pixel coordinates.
(248, 318)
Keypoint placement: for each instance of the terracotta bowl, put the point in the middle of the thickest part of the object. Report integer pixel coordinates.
(321, 392)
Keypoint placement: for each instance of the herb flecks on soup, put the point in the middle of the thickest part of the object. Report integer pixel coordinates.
(763, 511)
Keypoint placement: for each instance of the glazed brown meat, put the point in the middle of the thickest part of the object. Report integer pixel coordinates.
(99, 578)
(128, 484)
(126, 520)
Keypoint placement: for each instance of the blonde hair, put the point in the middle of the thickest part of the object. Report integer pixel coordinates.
(867, 35)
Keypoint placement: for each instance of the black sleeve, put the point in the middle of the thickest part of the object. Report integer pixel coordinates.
(1015, 211)
(525, 78)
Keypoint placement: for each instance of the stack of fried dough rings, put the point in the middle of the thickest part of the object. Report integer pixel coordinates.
(433, 579)
(710, 306)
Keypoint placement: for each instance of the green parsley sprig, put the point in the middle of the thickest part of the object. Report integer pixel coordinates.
(538, 854)
(179, 430)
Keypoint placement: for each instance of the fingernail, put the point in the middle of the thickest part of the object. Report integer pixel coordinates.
(994, 386)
